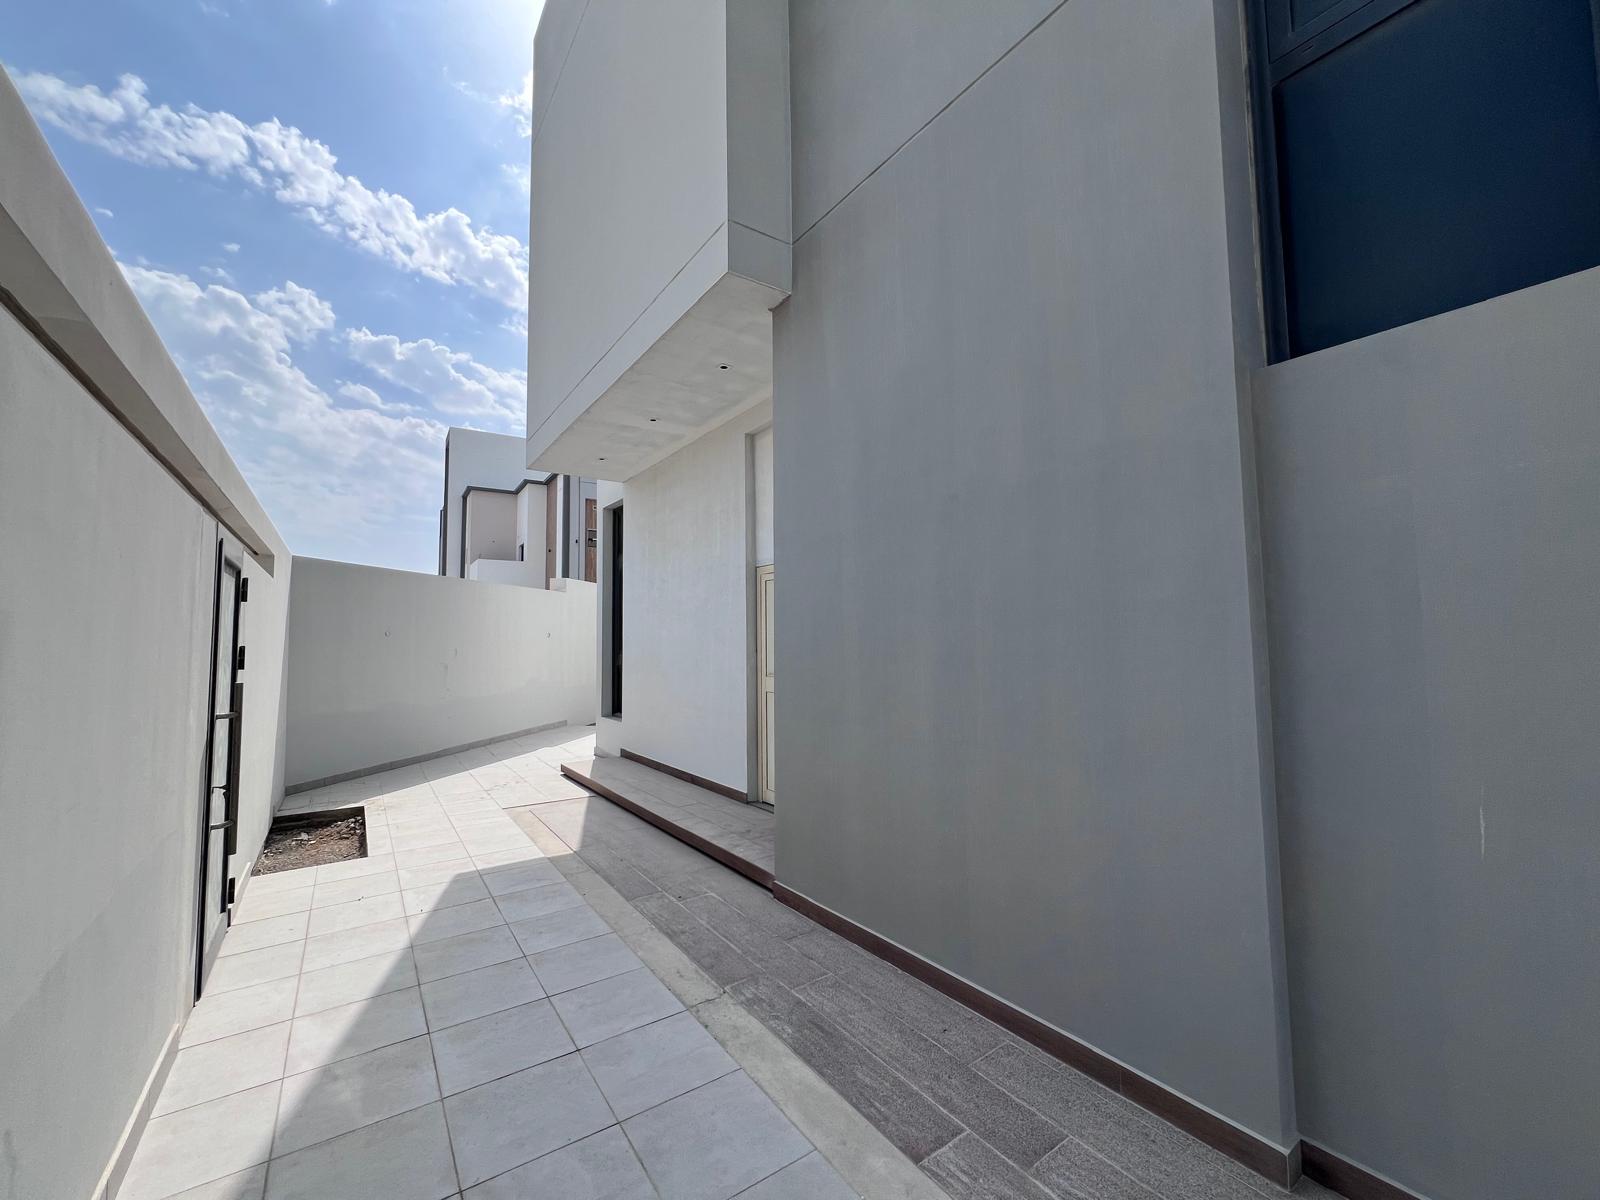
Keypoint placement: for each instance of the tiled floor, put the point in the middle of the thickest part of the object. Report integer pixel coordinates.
(987, 1117)
(745, 830)
(449, 1017)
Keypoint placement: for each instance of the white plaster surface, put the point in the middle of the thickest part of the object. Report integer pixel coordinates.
(687, 564)
(390, 665)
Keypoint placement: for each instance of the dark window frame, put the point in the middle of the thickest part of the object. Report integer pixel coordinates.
(1278, 48)
(613, 518)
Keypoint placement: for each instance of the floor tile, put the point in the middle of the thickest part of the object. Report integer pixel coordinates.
(348, 945)
(501, 1043)
(448, 922)
(346, 1095)
(686, 1148)
(457, 783)
(600, 1167)
(809, 1179)
(352, 1029)
(220, 1068)
(221, 1014)
(601, 1010)
(244, 1185)
(258, 906)
(970, 1169)
(458, 998)
(435, 872)
(539, 901)
(644, 1067)
(480, 842)
(445, 894)
(368, 911)
(465, 952)
(1072, 1169)
(559, 929)
(422, 837)
(511, 1121)
(280, 881)
(405, 1157)
(519, 877)
(911, 1122)
(710, 953)
(504, 858)
(354, 868)
(258, 935)
(329, 987)
(202, 1144)
(258, 966)
(362, 887)
(572, 966)
(443, 852)
(999, 1118)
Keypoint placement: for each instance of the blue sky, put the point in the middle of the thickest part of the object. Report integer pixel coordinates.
(323, 205)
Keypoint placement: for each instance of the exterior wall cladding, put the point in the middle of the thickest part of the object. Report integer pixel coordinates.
(1260, 755)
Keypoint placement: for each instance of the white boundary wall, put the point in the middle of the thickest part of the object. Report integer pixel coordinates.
(387, 665)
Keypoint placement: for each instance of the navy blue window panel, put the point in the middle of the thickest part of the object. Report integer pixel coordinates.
(1446, 155)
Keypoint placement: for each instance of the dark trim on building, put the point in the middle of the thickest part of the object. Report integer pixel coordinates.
(1277, 1165)
(710, 785)
(1353, 1182)
(461, 540)
(727, 858)
(444, 509)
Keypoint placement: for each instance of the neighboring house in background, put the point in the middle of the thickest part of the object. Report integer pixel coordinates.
(1187, 477)
(502, 523)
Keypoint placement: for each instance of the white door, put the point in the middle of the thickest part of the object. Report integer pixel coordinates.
(764, 646)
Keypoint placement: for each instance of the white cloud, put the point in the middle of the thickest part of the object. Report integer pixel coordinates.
(105, 212)
(301, 312)
(339, 479)
(231, 247)
(361, 394)
(297, 170)
(520, 103)
(519, 176)
(452, 382)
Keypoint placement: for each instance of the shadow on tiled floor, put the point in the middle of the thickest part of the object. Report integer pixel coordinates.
(448, 1017)
(985, 1115)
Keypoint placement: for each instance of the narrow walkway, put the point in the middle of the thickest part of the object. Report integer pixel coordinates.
(737, 835)
(985, 1115)
(450, 1017)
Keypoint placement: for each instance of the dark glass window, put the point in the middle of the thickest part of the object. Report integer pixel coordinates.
(1422, 155)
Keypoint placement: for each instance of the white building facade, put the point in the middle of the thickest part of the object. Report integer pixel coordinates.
(1183, 640)
(503, 523)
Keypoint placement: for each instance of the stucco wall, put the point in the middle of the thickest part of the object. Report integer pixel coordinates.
(631, 150)
(1047, 775)
(1431, 500)
(491, 527)
(389, 665)
(478, 458)
(687, 543)
(105, 627)
(111, 505)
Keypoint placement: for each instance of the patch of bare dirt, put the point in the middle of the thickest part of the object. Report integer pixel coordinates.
(304, 844)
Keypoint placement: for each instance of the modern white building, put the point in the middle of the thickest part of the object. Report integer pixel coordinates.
(503, 523)
(1175, 422)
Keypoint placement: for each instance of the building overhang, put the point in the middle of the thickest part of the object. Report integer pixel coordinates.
(660, 237)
